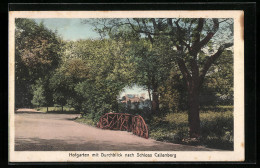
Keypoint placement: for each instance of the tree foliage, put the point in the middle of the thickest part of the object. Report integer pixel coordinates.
(91, 75)
(180, 61)
(38, 94)
(37, 54)
(197, 43)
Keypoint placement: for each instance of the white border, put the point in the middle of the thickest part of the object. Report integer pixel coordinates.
(55, 156)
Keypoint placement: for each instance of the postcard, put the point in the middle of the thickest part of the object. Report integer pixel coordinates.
(126, 86)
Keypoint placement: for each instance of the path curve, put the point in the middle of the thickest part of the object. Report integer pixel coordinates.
(27, 110)
(37, 131)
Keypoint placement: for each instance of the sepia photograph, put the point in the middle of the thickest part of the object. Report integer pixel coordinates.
(115, 86)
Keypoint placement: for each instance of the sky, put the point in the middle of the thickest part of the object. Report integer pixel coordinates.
(70, 29)
(134, 90)
(74, 29)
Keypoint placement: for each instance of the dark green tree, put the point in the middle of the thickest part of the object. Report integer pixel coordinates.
(37, 54)
(39, 98)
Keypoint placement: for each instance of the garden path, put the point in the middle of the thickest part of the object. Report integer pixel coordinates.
(38, 131)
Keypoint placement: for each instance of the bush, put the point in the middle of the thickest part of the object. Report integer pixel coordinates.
(86, 119)
(96, 99)
(216, 129)
(171, 127)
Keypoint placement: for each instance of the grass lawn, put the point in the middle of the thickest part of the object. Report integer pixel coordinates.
(216, 129)
(86, 120)
(55, 109)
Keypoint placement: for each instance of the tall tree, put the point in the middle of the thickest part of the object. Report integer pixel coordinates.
(190, 42)
(37, 54)
(198, 44)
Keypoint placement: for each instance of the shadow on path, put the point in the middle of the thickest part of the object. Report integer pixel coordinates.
(37, 144)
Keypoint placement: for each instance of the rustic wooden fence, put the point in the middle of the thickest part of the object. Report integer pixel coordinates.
(124, 122)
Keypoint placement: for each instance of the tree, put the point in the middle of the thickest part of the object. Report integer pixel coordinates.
(219, 81)
(191, 43)
(39, 98)
(198, 44)
(152, 69)
(146, 51)
(172, 92)
(91, 74)
(63, 82)
(38, 47)
(37, 54)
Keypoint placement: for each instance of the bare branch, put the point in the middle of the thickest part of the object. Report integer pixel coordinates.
(169, 22)
(223, 21)
(148, 34)
(146, 31)
(155, 26)
(197, 46)
(132, 26)
(160, 22)
(178, 26)
(198, 30)
(180, 38)
(212, 59)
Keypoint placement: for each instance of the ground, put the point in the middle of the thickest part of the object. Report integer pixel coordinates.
(38, 131)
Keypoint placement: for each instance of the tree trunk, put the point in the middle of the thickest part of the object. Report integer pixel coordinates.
(47, 109)
(193, 112)
(149, 94)
(62, 109)
(155, 102)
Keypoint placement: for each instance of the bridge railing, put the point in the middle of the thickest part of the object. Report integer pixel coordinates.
(124, 122)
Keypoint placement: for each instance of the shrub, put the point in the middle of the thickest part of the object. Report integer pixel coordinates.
(216, 129)
(86, 119)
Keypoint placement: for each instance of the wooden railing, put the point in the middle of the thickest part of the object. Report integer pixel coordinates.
(124, 122)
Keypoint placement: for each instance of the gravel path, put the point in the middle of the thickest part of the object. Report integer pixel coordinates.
(36, 131)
